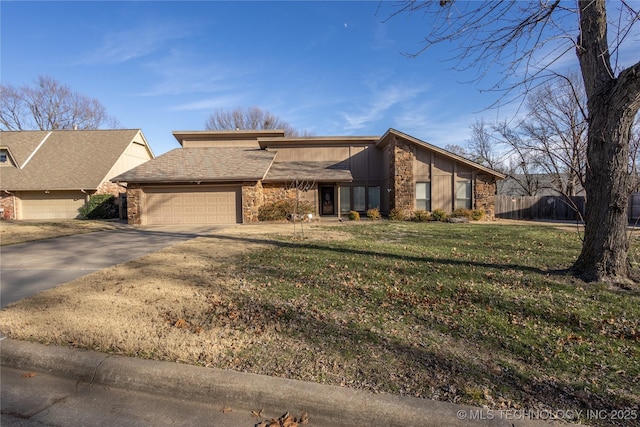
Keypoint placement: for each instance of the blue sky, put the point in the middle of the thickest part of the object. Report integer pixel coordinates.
(331, 68)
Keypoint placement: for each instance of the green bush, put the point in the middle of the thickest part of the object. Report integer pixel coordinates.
(374, 214)
(396, 214)
(283, 210)
(438, 215)
(477, 215)
(354, 216)
(421, 215)
(100, 206)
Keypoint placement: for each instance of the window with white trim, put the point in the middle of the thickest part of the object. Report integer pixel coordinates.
(463, 194)
(423, 196)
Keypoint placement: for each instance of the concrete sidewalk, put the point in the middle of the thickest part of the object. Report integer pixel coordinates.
(57, 386)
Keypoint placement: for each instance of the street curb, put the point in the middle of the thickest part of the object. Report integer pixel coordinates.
(326, 405)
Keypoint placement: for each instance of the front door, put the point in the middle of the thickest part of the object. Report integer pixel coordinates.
(326, 196)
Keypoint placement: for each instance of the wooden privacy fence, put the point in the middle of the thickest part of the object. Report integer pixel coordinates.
(540, 207)
(552, 207)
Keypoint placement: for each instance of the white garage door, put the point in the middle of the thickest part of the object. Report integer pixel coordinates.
(206, 206)
(53, 205)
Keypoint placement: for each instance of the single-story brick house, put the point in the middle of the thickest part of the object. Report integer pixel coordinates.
(226, 176)
(51, 174)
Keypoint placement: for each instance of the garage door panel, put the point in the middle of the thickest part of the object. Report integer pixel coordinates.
(214, 206)
(53, 205)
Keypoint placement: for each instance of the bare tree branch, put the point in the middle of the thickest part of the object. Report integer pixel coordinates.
(252, 118)
(49, 105)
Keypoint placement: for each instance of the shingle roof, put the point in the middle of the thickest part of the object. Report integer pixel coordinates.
(309, 171)
(67, 159)
(205, 164)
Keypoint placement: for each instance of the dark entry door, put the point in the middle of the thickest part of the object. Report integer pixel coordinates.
(328, 205)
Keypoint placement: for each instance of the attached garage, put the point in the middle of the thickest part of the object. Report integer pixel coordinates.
(189, 205)
(50, 205)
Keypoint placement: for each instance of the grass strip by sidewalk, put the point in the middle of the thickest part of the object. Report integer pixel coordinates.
(468, 313)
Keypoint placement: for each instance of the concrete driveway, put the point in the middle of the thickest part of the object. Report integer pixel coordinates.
(28, 268)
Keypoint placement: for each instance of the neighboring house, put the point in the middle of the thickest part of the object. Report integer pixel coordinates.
(226, 176)
(51, 174)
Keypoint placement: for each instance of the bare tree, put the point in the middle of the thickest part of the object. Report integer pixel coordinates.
(522, 160)
(50, 105)
(458, 150)
(556, 128)
(300, 186)
(252, 118)
(525, 39)
(483, 146)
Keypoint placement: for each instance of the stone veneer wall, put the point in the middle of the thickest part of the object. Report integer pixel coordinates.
(109, 187)
(485, 195)
(252, 199)
(9, 205)
(403, 156)
(255, 195)
(134, 199)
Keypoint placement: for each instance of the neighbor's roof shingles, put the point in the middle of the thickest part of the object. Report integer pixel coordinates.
(68, 159)
(202, 164)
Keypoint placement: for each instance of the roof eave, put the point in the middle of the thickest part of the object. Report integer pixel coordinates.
(381, 143)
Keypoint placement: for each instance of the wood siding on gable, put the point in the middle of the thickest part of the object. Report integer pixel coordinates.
(359, 164)
(365, 162)
(312, 154)
(442, 183)
(133, 156)
(441, 193)
(422, 172)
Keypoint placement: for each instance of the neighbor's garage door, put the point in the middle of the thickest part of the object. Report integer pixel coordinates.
(193, 206)
(53, 205)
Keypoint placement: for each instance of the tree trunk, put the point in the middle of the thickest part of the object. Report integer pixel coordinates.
(606, 243)
(612, 104)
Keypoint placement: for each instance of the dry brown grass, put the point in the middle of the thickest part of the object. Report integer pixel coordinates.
(12, 232)
(156, 305)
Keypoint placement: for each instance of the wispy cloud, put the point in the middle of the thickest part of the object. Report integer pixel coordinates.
(182, 72)
(126, 45)
(381, 101)
(209, 104)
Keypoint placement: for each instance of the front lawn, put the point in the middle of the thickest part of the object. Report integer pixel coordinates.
(474, 313)
(482, 314)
